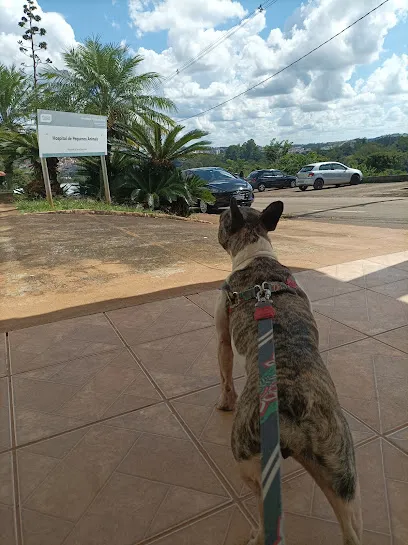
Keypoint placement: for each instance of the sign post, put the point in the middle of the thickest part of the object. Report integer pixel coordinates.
(66, 134)
(47, 183)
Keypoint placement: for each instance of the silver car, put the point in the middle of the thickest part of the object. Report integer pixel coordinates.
(319, 175)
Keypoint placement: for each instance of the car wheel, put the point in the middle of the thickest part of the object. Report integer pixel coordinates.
(204, 208)
(303, 187)
(355, 179)
(318, 184)
(261, 187)
(292, 183)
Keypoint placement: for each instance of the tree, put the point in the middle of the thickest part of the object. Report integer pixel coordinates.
(276, 150)
(106, 80)
(158, 146)
(24, 146)
(14, 108)
(29, 22)
(250, 151)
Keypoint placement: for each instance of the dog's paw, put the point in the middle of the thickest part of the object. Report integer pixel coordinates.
(227, 401)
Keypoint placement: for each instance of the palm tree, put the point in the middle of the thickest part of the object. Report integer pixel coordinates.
(105, 80)
(15, 95)
(23, 145)
(161, 147)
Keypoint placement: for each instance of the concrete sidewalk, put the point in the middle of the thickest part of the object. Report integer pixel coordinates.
(109, 435)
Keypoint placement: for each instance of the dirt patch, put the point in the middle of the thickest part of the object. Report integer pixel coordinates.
(50, 262)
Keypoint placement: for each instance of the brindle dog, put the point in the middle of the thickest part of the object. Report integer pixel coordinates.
(313, 428)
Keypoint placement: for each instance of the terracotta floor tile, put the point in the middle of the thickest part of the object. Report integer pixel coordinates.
(398, 338)
(206, 300)
(397, 290)
(156, 419)
(49, 344)
(297, 494)
(222, 456)
(57, 447)
(5, 441)
(370, 471)
(35, 425)
(6, 479)
(3, 363)
(359, 431)
(183, 363)
(65, 493)
(400, 438)
(395, 463)
(65, 488)
(121, 514)
(364, 310)
(40, 395)
(364, 273)
(182, 504)
(39, 529)
(398, 259)
(218, 428)
(228, 527)
(145, 323)
(332, 334)
(101, 450)
(7, 533)
(318, 285)
(195, 416)
(356, 368)
(301, 530)
(32, 470)
(171, 461)
(398, 500)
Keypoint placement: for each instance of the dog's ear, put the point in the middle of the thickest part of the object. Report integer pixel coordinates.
(271, 215)
(237, 219)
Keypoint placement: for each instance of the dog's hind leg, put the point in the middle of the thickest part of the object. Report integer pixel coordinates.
(225, 356)
(250, 471)
(335, 474)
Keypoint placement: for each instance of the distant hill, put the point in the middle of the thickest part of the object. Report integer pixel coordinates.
(386, 139)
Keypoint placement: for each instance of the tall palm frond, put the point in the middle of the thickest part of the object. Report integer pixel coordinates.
(152, 142)
(106, 80)
(15, 95)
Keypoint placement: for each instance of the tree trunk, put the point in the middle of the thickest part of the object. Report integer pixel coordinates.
(9, 169)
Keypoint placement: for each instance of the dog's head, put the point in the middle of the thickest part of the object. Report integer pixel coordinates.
(242, 226)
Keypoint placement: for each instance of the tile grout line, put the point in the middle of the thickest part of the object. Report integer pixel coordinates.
(224, 481)
(102, 487)
(185, 524)
(387, 500)
(13, 437)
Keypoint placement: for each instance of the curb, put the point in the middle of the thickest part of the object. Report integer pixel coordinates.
(85, 211)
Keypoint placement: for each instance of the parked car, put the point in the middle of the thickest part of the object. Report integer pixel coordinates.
(325, 174)
(223, 185)
(263, 179)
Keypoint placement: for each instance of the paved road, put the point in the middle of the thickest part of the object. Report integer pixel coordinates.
(377, 205)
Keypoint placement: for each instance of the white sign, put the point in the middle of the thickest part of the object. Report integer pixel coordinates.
(64, 134)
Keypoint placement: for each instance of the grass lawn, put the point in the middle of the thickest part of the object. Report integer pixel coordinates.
(25, 205)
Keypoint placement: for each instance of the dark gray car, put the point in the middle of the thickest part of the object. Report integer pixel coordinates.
(268, 178)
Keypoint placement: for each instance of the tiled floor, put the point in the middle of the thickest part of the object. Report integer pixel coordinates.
(109, 434)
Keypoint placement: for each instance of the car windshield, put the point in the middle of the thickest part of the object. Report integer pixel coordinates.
(308, 168)
(215, 175)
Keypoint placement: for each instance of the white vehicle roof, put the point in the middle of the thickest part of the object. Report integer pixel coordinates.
(323, 163)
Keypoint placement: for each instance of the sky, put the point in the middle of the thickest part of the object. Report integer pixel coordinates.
(355, 86)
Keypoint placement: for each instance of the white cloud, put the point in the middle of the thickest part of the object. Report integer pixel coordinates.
(60, 35)
(317, 94)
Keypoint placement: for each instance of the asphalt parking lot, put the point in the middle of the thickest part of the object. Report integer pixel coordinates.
(381, 205)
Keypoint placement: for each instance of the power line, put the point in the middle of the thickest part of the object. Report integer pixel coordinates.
(220, 40)
(286, 67)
